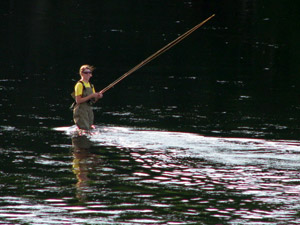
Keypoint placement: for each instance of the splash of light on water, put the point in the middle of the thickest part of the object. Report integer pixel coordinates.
(262, 171)
(236, 151)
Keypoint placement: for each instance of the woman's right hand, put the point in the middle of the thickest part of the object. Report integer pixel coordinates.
(97, 95)
(100, 95)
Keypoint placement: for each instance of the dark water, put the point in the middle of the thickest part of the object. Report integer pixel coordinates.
(205, 134)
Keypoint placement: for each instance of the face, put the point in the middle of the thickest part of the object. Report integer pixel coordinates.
(87, 73)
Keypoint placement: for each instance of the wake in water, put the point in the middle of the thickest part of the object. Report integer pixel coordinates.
(236, 151)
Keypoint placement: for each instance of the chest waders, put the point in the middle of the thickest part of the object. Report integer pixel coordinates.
(83, 113)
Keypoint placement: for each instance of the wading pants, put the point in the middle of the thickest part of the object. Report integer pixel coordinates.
(83, 116)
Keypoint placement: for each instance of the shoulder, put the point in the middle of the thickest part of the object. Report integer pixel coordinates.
(79, 84)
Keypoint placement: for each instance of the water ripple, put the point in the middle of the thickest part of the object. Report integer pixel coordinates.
(132, 176)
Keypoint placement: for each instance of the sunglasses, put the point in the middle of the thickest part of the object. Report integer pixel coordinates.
(87, 72)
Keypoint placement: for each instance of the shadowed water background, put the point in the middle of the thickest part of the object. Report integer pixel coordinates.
(205, 134)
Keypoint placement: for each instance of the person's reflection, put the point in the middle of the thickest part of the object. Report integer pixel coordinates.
(83, 163)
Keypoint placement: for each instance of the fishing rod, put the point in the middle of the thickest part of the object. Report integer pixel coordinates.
(156, 54)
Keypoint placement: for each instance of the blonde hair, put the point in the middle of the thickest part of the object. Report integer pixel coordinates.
(86, 66)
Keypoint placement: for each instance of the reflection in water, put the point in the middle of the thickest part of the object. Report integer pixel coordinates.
(83, 163)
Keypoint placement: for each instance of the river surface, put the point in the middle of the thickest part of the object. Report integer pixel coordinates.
(207, 133)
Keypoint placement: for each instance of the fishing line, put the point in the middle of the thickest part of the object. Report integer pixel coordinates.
(156, 54)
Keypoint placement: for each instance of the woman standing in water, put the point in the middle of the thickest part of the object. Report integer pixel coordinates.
(85, 96)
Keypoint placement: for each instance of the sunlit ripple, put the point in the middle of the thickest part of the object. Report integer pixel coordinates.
(230, 179)
(238, 151)
(23, 210)
(260, 169)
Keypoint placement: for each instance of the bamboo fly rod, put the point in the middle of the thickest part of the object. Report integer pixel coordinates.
(156, 54)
